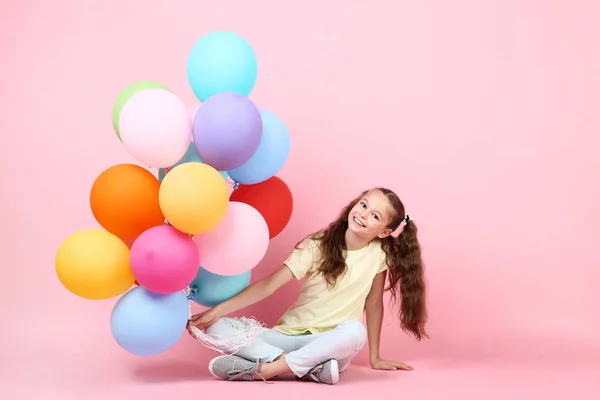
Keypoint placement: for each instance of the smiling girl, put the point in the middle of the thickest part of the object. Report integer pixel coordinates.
(346, 266)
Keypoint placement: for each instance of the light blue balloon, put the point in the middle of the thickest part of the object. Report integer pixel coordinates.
(213, 289)
(146, 323)
(221, 61)
(191, 155)
(271, 155)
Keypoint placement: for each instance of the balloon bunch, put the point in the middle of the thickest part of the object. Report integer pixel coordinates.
(183, 235)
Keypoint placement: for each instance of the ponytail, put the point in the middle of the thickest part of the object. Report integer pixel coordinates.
(406, 278)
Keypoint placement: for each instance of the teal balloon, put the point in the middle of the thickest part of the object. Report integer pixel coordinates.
(221, 61)
(145, 323)
(212, 289)
(271, 155)
(191, 155)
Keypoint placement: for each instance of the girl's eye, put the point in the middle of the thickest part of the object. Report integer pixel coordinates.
(363, 205)
(375, 216)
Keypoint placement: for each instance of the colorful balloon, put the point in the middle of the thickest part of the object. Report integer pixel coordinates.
(94, 264)
(227, 130)
(194, 197)
(156, 128)
(124, 200)
(237, 244)
(221, 61)
(125, 95)
(271, 155)
(144, 323)
(213, 289)
(272, 198)
(164, 260)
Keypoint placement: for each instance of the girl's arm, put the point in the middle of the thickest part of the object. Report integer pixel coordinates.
(374, 309)
(252, 294)
(256, 292)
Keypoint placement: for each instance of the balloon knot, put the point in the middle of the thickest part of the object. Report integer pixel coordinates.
(192, 293)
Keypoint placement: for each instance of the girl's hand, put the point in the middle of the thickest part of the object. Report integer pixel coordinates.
(204, 319)
(390, 365)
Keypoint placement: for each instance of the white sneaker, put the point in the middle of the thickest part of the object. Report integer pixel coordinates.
(234, 368)
(327, 373)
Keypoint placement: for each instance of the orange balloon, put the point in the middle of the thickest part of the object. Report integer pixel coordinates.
(124, 200)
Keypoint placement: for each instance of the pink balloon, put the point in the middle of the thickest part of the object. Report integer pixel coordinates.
(237, 244)
(164, 260)
(155, 127)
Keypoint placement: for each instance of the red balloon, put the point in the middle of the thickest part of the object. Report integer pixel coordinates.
(272, 199)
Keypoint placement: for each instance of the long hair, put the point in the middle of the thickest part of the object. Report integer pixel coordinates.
(403, 257)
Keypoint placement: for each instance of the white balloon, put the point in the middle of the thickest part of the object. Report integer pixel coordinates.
(155, 127)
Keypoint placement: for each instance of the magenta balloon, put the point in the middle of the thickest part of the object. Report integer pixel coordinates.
(227, 130)
(164, 260)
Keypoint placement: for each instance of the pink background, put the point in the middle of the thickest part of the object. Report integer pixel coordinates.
(482, 115)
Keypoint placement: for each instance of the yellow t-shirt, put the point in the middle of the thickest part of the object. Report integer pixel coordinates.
(320, 307)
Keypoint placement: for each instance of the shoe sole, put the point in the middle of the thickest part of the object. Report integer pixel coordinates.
(335, 373)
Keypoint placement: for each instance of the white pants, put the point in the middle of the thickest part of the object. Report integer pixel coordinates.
(303, 352)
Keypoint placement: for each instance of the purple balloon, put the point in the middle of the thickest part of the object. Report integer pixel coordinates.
(227, 130)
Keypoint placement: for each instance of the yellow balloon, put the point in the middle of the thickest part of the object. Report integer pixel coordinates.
(193, 197)
(94, 264)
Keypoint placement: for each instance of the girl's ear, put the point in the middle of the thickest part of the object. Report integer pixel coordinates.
(386, 232)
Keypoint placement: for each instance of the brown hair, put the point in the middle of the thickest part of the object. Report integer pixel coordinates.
(403, 260)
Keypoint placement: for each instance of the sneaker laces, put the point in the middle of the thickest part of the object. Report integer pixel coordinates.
(238, 374)
(315, 373)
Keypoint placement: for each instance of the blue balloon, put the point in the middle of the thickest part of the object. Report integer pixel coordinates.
(213, 289)
(270, 156)
(221, 61)
(191, 155)
(146, 323)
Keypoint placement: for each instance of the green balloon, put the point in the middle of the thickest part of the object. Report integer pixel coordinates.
(126, 95)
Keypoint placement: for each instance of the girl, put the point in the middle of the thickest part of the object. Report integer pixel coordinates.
(345, 267)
